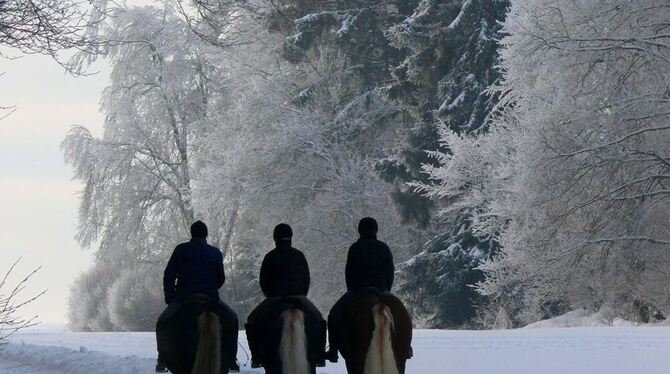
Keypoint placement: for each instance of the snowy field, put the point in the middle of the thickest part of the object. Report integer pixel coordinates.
(623, 349)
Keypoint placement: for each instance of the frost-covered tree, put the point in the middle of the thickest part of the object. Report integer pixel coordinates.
(87, 304)
(572, 179)
(137, 200)
(141, 165)
(132, 299)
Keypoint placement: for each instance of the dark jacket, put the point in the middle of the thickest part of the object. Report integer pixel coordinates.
(194, 267)
(284, 272)
(369, 264)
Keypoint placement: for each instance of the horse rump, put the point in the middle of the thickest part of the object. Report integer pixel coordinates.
(193, 339)
(380, 358)
(208, 353)
(376, 334)
(293, 343)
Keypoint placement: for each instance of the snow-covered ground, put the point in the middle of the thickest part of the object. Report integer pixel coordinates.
(624, 349)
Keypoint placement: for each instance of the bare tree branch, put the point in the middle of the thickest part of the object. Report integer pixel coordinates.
(10, 304)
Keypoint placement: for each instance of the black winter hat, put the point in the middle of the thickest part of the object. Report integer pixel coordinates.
(367, 227)
(282, 232)
(198, 230)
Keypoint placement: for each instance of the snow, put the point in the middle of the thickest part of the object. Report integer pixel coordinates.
(581, 318)
(345, 27)
(610, 350)
(448, 107)
(453, 249)
(458, 18)
(312, 18)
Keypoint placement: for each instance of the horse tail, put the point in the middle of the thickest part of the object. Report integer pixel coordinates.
(380, 358)
(293, 343)
(208, 354)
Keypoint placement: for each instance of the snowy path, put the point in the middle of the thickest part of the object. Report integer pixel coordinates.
(544, 350)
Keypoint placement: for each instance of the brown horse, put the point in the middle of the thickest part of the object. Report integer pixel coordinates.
(376, 334)
(195, 333)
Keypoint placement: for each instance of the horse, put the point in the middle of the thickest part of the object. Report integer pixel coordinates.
(376, 334)
(195, 335)
(286, 328)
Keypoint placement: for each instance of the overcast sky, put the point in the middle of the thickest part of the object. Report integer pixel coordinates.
(37, 196)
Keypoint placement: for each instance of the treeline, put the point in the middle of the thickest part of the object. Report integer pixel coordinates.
(483, 146)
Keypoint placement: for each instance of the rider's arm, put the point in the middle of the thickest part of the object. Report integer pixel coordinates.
(306, 277)
(390, 269)
(264, 277)
(220, 272)
(349, 271)
(170, 277)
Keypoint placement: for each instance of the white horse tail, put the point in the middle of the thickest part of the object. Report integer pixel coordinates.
(293, 343)
(208, 354)
(380, 358)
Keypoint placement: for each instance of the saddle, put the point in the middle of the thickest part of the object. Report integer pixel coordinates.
(198, 298)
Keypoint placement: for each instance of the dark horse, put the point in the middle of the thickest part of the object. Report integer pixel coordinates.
(286, 328)
(195, 335)
(376, 334)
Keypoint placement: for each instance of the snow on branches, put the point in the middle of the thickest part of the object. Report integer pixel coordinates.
(573, 179)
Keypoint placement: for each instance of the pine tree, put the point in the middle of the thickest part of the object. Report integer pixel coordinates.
(442, 85)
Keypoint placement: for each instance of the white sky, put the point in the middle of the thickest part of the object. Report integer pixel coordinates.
(38, 199)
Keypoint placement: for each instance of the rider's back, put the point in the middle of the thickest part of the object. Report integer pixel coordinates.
(369, 264)
(284, 272)
(197, 267)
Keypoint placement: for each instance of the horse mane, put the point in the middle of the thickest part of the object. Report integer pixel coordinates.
(380, 358)
(293, 343)
(208, 354)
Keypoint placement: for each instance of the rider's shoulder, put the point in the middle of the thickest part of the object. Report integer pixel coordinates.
(383, 244)
(366, 244)
(214, 248)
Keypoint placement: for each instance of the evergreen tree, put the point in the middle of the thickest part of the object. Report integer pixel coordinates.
(442, 84)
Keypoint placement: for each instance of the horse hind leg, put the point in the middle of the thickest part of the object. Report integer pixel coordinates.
(293, 343)
(380, 358)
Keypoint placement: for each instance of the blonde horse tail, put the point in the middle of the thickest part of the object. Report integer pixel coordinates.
(380, 358)
(208, 354)
(293, 343)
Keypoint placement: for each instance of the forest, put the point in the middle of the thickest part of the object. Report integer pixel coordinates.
(515, 153)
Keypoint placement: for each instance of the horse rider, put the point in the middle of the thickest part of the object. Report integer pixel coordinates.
(369, 265)
(284, 273)
(196, 267)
